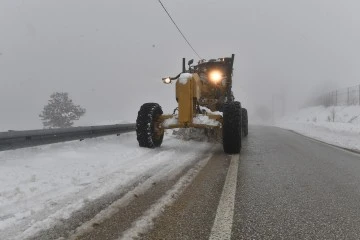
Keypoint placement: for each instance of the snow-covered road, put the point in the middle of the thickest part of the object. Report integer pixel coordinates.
(41, 186)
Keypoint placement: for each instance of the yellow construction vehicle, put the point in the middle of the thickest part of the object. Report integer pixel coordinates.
(205, 100)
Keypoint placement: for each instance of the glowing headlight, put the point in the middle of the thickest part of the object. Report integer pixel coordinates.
(166, 80)
(215, 76)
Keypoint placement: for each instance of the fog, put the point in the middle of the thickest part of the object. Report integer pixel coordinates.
(110, 55)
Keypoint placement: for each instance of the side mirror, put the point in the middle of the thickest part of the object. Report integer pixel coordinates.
(190, 62)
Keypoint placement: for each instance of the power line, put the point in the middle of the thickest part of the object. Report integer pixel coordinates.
(179, 29)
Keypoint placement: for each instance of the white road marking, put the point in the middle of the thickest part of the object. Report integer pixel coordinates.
(166, 172)
(144, 223)
(225, 211)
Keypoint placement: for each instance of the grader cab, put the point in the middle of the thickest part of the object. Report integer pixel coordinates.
(205, 100)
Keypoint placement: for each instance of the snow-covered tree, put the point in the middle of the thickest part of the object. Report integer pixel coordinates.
(60, 111)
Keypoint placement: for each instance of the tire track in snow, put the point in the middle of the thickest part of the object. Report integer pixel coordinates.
(144, 223)
(152, 165)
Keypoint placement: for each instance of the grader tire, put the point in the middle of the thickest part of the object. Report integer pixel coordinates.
(232, 127)
(244, 116)
(147, 135)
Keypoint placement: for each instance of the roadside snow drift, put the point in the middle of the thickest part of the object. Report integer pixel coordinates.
(339, 125)
(41, 186)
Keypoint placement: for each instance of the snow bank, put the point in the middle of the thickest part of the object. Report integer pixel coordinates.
(41, 186)
(339, 125)
(337, 114)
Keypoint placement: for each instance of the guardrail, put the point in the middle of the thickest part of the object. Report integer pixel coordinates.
(20, 139)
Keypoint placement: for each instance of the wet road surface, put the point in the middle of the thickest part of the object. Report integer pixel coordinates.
(281, 186)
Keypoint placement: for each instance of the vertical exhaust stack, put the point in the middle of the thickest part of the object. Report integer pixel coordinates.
(183, 66)
(232, 61)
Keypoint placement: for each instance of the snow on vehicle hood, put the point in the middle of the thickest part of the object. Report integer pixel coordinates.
(184, 78)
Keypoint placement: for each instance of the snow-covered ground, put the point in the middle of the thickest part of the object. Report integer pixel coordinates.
(339, 125)
(41, 186)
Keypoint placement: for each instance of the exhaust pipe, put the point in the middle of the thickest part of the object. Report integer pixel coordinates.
(183, 66)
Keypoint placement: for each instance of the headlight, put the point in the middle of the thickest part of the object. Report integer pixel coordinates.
(166, 80)
(215, 76)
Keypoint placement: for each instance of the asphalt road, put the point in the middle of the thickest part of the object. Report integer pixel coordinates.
(288, 187)
(282, 186)
(291, 187)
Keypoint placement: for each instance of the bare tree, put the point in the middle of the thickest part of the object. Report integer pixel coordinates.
(60, 111)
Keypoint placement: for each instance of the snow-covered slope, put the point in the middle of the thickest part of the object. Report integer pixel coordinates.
(339, 125)
(42, 185)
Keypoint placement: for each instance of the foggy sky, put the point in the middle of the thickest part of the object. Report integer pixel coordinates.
(110, 55)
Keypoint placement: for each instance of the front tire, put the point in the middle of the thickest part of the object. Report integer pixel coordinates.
(147, 130)
(232, 127)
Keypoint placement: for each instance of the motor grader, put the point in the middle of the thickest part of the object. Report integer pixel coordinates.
(205, 100)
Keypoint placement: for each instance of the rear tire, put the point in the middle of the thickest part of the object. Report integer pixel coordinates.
(148, 134)
(232, 127)
(244, 116)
